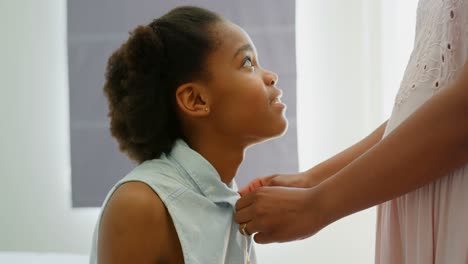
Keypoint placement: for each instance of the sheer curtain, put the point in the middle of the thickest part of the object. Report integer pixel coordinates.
(351, 55)
(398, 23)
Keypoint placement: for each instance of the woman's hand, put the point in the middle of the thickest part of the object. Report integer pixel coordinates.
(279, 214)
(306, 179)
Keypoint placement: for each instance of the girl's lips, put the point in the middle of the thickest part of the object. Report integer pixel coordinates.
(277, 103)
(277, 100)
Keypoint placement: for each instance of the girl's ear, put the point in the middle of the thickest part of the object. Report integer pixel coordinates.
(192, 100)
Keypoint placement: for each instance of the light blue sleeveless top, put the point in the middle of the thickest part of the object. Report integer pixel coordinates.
(199, 203)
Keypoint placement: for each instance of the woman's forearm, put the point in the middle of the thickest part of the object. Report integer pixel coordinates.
(432, 142)
(342, 159)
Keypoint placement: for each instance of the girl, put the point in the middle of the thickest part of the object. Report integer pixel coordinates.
(187, 96)
(415, 165)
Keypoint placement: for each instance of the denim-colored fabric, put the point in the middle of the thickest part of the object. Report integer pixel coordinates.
(200, 204)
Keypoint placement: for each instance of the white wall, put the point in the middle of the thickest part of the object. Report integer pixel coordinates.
(346, 85)
(35, 180)
(332, 42)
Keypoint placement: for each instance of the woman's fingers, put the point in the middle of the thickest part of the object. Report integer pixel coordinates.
(255, 184)
(245, 201)
(263, 238)
(244, 215)
(250, 228)
(245, 229)
(278, 214)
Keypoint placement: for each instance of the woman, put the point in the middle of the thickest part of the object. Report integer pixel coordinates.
(415, 165)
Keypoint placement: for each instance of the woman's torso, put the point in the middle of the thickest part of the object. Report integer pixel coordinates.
(428, 225)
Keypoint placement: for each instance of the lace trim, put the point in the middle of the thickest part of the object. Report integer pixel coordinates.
(441, 39)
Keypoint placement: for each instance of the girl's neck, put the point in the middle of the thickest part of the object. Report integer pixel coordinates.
(225, 158)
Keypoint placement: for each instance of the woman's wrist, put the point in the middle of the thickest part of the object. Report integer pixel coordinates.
(325, 203)
(314, 176)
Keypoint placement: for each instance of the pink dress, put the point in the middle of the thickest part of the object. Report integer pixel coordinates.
(430, 224)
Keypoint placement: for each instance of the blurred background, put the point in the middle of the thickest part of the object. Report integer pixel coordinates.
(350, 57)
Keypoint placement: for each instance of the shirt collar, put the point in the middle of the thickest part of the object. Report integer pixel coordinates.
(204, 174)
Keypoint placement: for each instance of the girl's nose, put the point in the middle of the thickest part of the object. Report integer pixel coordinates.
(271, 78)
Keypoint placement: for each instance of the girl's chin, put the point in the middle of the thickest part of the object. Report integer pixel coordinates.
(279, 129)
(283, 128)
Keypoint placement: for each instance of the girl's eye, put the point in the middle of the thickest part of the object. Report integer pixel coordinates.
(248, 63)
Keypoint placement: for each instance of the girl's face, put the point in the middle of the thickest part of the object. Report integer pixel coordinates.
(245, 103)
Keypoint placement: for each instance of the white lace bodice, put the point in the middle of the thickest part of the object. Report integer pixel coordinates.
(440, 48)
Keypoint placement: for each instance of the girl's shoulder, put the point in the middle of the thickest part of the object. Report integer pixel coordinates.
(135, 220)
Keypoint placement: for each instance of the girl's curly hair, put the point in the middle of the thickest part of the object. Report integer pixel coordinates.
(143, 74)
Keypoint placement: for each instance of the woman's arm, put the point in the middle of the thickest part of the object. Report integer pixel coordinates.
(135, 227)
(342, 159)
(323, 170)
(430, 143)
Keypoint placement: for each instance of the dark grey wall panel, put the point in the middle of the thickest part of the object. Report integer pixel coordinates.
(97, 28)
